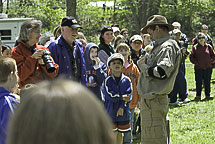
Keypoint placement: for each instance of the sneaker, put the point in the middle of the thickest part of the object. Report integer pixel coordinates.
(175, 103)
(187, 100)
(197, 98)
(209, 98)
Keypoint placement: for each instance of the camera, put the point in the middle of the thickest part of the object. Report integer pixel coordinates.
(48, 62)
(46, 59)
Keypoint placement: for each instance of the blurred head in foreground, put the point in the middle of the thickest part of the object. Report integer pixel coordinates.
(60, 112)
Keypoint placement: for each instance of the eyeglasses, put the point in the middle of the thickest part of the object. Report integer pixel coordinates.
(201, 38)
(137, 42)
(125, 33)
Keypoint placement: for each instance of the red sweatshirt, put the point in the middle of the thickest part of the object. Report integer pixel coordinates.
(201, 56)
(29, 70)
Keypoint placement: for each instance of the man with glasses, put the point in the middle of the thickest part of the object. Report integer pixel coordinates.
(183, 38)
(68, 53)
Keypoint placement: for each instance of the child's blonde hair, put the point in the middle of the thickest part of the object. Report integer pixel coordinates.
(145, 35)
(124, 46)
(7, 66)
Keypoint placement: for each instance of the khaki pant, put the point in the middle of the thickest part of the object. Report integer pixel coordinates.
(154, 123)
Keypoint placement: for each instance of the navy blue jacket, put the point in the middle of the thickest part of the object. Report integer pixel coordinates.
(113, 97)
(60, 55)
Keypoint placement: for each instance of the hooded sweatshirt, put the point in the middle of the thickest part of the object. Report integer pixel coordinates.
(94, 74)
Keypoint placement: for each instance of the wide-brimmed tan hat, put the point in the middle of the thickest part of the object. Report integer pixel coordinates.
(156, 20)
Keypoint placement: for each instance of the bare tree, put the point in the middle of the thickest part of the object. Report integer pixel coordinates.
(1, 6)
(8, 6)
(71, 8)
(142, 9)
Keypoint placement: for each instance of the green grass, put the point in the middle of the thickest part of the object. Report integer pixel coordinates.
(193, 123)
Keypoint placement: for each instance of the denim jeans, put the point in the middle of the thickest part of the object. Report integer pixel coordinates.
(127, 138)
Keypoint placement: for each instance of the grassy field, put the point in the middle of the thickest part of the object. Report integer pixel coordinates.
(193, 123)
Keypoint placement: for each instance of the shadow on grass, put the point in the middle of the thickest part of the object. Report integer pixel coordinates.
(176, 106)
(213, 81)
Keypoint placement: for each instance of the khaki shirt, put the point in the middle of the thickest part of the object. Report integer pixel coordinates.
(167, 55)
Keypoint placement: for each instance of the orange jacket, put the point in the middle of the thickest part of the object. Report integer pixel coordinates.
(133, 73)
(29, 70)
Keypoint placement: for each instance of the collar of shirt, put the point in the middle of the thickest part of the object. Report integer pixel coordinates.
(160, 41)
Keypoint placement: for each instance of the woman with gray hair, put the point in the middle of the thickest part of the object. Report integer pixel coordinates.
(30, 56)
(202, 56)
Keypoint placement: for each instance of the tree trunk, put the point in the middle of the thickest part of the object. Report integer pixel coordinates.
(142, 10)
(114, 11)
(71, 8)
(1, 6)
(8, 6)
(134, 10)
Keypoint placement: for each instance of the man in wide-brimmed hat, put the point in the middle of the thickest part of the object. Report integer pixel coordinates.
(156, 81)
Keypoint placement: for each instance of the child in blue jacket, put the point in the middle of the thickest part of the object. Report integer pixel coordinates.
(96, 70)
(117, 92)
(8, 81)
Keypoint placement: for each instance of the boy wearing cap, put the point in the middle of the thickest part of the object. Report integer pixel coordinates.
(68, 53)
(183, 38)
(136, 42)
(117, 92)
(156, 81)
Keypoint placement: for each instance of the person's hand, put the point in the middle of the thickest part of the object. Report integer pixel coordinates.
(16, 89)
(120, 112)
(184, 51)
(91, 85)
(97, 60)
(181, 42)
(37, 54)
(141, 61)
(126, 98)
(83, 42)
(40, 61)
